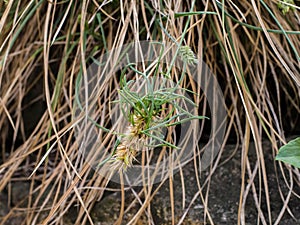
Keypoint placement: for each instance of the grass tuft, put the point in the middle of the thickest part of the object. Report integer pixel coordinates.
(46, 48)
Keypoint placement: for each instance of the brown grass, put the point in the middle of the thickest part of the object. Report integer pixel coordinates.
(42, 52)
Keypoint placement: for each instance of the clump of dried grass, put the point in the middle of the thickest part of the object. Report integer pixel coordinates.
(251, 47)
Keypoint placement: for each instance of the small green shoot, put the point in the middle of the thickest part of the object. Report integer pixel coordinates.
(285, 6)
(149, 114)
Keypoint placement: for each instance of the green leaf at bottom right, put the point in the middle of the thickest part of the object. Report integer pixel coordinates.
(290, 153)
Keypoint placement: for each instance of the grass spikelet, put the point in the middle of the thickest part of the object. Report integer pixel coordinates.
(131, 142)
(187, 55)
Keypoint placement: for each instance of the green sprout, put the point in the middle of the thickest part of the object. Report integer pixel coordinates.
(285, 6)
(147, 115)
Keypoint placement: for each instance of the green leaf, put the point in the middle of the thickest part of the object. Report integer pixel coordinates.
(290, 153)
